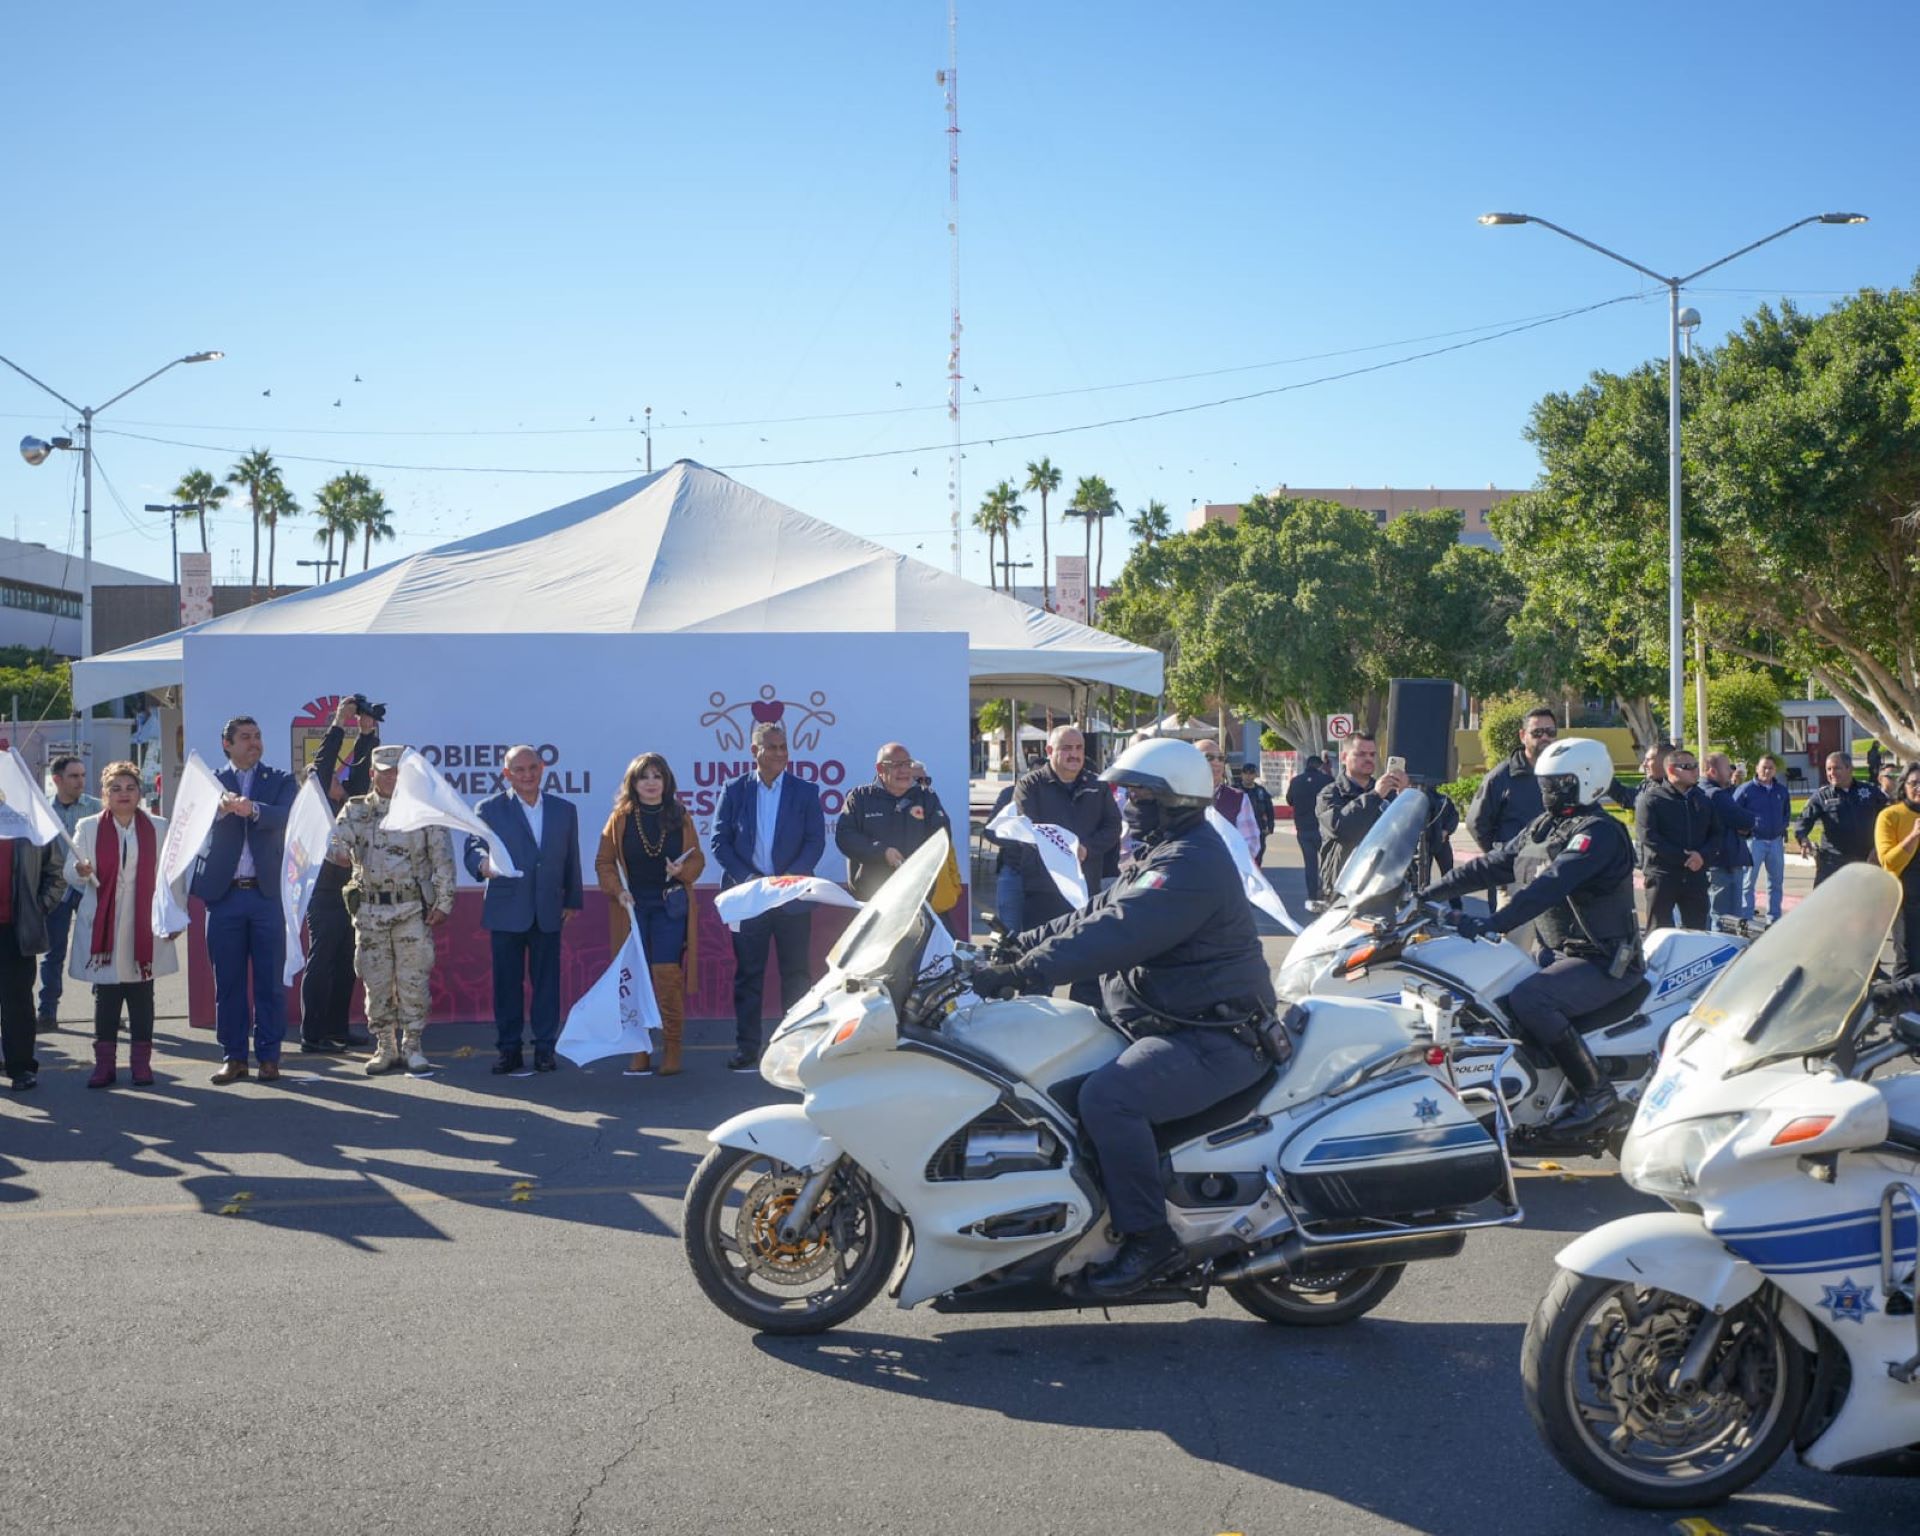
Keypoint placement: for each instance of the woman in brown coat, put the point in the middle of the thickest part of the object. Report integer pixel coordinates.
(648, 861)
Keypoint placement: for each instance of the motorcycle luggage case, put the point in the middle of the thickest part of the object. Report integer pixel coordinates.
(1402, 1150)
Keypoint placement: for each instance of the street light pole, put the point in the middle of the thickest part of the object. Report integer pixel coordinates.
(173, 511)
(1676, 655)
(35, 452)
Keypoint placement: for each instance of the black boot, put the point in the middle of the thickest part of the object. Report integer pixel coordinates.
(1595, 1103)
(1143, 1258)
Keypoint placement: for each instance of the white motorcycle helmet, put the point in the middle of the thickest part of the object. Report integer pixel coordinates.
(1175, 771)
(1575, 770)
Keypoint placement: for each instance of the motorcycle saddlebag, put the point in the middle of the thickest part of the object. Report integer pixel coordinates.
(1402, 1150)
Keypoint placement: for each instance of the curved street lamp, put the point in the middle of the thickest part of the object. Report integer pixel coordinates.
(1676, 658)
(36, 451)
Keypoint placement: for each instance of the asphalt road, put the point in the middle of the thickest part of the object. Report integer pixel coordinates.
(459, 1305)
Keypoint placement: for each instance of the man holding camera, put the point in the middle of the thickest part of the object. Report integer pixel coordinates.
(326, 989)
(238, 878)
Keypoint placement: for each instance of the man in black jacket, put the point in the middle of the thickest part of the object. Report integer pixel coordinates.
(882, 822)
(1678, 830)
(1845, 813)
(1350, 805)
(1303, 799)
(1065, 793)
(1262, 803)
(1175, 950)
(326, 988)
(31, 886)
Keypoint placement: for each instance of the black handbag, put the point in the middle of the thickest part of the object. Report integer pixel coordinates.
(676, 902)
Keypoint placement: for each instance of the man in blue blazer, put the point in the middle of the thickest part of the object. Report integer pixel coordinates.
(238, 877)
(769, 823)
(523, 917)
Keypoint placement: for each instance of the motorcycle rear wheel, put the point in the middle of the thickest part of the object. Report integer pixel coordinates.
(1597, 1366)
(1317, 1301)
(733, 1207)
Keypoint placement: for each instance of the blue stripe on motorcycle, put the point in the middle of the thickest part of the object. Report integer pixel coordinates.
(1387, 1143)
(1806, 1223)
(1827, 1248)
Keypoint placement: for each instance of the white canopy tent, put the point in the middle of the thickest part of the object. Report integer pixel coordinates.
(683, 550)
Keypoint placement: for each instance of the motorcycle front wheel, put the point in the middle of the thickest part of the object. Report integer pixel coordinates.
(1599, 1367)
(1317, 1301)
(733, 1212)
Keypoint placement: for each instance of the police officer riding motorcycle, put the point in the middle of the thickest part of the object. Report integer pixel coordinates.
(1571, 870)
(1178, 957)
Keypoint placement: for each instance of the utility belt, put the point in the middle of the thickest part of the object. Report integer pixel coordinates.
(1259, 1028)
(357, 896)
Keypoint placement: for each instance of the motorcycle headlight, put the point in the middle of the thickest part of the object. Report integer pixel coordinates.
(780, 1061)
(1297, 975)
(1666, 1160)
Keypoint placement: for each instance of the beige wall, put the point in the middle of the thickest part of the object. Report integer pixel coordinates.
(1386, 503)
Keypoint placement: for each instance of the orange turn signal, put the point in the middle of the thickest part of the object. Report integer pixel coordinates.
(845, 1031)
(1360, 957)
(1806, 1128)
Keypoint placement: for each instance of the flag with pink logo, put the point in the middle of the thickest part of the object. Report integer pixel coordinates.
(1059, 849)
(619, 1014)
(737, 903)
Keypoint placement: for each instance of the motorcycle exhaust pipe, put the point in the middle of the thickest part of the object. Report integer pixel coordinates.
(1292, 1256)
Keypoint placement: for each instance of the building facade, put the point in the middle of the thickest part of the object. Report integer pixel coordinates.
(1385, 504)
(40, 595)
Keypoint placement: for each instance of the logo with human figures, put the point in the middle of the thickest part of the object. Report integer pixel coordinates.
(732, 722)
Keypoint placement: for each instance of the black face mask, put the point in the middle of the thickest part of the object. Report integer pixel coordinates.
(1142, 818)
(1561, 793)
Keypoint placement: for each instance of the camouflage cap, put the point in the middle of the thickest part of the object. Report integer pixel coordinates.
(387, 757)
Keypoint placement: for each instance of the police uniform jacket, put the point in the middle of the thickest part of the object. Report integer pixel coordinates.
(1347, 812)
(1673, 823)
(1846, 817)
(1573, 879)
(1086, 808)
(1177, 926)
(874, 820)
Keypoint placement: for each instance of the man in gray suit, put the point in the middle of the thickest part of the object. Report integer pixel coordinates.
(523, 916)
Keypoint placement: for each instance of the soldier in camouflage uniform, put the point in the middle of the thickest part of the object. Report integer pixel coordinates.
(402, 887)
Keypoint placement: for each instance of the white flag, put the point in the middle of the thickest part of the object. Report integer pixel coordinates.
(1259, 890)
(196, 804)
(309, 830)
(1059, 849)
(24, 811)
(422, 798)
(618, 1014)
(750, 898)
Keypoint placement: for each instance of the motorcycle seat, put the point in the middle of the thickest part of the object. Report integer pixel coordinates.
(1903, 1110)
(1229, 1111)
(1622, 1009)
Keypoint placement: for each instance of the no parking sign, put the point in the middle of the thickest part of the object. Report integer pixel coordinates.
(1339, 727)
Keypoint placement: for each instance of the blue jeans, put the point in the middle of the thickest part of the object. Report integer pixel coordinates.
(246, 934)
(1724, 892)
(53, 964)
(1769, 853)
(663, 938)
(1009, 899)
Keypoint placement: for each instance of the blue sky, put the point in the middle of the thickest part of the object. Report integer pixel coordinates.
(520, 225)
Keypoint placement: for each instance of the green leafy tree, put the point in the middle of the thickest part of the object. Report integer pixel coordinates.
(199, 491)
(1093, 502)
(281, 504)
(374, 518)
(1500, 721)
(1043, 479)
(1742, 707)
(337, 505)
(1150, 523)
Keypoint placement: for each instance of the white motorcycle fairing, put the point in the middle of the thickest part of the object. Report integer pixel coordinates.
(779, 1130)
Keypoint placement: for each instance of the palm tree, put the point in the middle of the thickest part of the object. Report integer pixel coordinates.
(254, 474)
(1151, 523)
(281, 502)
(336, 504)
(375, 519)
(1044, 478)
(991, 520)
(198, 493)
(1093, 500)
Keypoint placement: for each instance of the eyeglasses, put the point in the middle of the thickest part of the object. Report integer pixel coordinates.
(891, 767)
(1213, 757)
(1547, 734)
(1685, 767)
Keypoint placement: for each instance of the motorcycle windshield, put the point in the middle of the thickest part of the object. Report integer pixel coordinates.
(1380, 864)
(1797, 990)
(862, 952)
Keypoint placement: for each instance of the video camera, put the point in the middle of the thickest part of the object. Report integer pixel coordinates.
(366, 709)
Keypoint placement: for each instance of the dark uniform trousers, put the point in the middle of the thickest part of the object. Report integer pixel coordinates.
(326, 990)
(1156, 1079)
(1545, 1005)
(1668, 889)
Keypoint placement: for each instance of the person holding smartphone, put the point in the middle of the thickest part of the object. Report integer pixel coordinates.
(649, 859)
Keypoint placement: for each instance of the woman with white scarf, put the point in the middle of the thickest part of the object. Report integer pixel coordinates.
(115, 858)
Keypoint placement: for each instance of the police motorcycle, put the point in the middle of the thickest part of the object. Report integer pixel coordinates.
(1678, 1354)
(933, 1153)
(1376, 935)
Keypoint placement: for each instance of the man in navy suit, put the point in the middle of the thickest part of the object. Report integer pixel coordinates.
(769, 823)
(238, 877)
(524, 916)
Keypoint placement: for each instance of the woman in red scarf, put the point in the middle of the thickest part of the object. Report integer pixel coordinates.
(116, 860)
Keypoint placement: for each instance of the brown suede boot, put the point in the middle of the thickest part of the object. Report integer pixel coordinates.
(670, 991)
